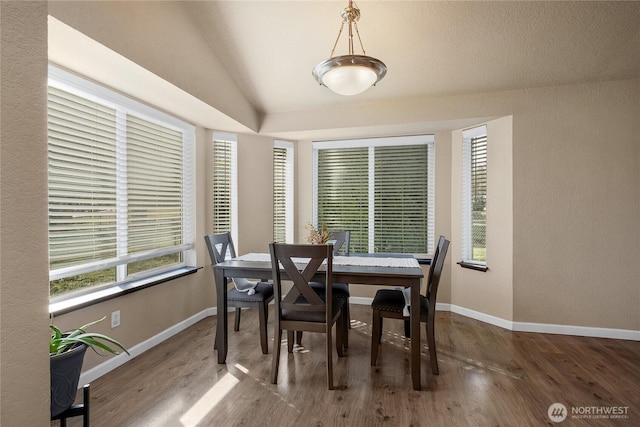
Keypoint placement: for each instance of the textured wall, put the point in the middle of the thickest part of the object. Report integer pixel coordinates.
(24, 296)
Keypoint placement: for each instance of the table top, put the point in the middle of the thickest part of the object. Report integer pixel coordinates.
(383, 274)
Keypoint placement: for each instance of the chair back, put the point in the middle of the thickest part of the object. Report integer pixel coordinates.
(218, 246)
(341, 242)
(435, 271)
(301, 263)
(432, 266)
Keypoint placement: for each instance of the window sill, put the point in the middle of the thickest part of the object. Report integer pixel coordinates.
(65, 306)
(472, 266)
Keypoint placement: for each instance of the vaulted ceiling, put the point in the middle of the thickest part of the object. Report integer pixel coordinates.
(431, 48)
(245, 66)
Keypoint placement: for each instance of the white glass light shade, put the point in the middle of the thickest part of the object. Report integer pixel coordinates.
(349, 79)
(349, 74)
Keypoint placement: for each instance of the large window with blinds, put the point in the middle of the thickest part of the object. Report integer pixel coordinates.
(381, 189)
(120, 188)
(474, 194)
(225, 201)
(283, 192)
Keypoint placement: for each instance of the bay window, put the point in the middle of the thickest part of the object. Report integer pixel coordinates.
(120, 181)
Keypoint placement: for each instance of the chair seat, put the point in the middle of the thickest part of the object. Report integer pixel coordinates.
(264, 291)
(392, 300)
(312, 316)
(340, 290)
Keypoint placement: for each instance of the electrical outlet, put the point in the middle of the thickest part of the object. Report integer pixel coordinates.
(115, 319)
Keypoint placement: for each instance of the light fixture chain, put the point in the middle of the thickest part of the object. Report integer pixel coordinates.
(359, 39)
(337, 39)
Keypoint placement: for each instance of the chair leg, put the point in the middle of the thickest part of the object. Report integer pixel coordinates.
(290, 341)
(431, 341)
(375, 334)
(236, 325)
(407, 328)
(346, 322)
(340, 335)
(277, 343)
(348, 314)
(299, 337)
(328, 345)
(262, 314)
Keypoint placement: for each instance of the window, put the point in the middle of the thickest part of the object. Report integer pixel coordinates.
(474, 196)
(225, 195)
(381, 189)
(120, 196)
(283, 192)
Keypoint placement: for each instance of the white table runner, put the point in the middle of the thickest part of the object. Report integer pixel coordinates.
(407, 262)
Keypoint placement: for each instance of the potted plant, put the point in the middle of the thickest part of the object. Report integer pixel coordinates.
(66, 354)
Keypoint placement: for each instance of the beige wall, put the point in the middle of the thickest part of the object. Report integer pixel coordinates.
(255, 193)
(443, 211)
(24, 369)
(576, 174)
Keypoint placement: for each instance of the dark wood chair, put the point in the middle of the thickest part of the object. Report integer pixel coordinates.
(390, 303)
(219, 245)
(340, 240)
(302, 309)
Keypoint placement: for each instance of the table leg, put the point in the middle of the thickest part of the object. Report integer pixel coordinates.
(415, 336)
(221, 324)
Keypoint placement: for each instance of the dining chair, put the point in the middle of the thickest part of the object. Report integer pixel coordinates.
(340, 240)
(302, 309)
(219, 245)
(390, 303)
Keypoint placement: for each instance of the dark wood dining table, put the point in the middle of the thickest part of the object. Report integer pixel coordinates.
(353, 274)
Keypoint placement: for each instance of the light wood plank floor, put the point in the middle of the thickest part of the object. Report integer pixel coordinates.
(488, 377)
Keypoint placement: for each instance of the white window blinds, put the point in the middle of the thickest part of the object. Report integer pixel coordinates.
(380, 189)
(225, 197)
(402, 199)
(343, 193)
(221, 186)
(120, 194)
(283, 192)
(474, 203)
(82, 180)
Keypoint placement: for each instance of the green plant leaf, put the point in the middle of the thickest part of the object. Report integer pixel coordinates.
(61, 342)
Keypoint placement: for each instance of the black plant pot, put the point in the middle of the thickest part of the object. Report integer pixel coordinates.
(65, 374)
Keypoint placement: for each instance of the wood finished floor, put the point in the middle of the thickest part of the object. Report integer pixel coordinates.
(488, 377)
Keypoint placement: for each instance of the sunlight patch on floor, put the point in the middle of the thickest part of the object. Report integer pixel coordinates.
(209, 400)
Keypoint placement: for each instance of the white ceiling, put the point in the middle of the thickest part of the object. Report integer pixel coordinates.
(430, 48)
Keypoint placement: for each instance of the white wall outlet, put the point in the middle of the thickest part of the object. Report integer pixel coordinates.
(115, 319)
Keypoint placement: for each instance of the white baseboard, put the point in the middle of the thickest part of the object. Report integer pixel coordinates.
(547, 328)
(544, 328)
(116, 361)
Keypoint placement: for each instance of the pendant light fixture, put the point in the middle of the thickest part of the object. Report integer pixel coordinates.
(349, 74)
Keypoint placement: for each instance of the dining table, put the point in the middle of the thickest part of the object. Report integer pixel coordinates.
(397, 270)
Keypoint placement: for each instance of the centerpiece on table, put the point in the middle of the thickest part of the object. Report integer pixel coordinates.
(317, 237)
